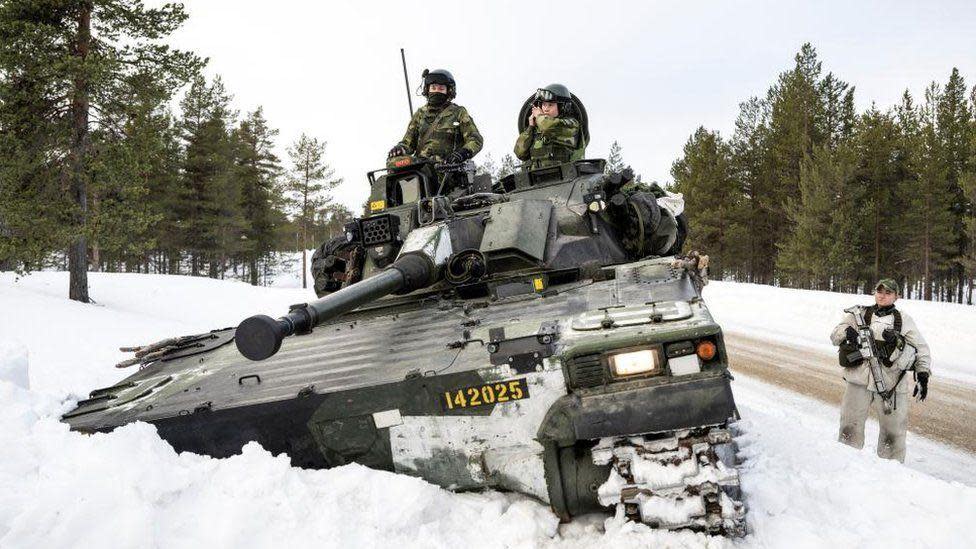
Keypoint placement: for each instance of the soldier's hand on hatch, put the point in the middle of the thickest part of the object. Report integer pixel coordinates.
(398, 150)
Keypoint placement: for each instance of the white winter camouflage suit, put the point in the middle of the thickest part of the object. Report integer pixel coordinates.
(861, 394)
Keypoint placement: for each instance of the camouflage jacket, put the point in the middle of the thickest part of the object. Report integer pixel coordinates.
(436, 133)
(550, 142)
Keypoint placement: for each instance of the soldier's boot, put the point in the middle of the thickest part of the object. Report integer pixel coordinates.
(853, 413)
(893, 426)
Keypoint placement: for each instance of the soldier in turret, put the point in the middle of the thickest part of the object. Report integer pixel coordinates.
(440, 130)
(554, 134)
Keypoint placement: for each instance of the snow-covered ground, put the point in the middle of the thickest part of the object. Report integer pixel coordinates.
(130, 489)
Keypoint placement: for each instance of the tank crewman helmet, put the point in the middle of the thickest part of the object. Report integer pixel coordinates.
(439, 76)
(558, 94)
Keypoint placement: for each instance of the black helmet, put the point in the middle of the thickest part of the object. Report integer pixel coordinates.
(558, 94)
(554, 92)
(439, 76)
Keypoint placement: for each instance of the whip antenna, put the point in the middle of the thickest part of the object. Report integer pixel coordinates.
(406, 80)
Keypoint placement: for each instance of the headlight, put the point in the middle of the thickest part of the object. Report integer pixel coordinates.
(635, 362)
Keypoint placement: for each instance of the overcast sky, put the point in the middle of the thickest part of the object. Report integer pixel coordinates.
(649, 73)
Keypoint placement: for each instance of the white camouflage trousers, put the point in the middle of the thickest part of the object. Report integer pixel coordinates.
(854, 412)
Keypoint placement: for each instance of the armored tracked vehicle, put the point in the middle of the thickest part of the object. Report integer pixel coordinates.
(534, 334)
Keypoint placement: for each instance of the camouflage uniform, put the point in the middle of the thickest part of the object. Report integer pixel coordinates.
(861, 394)
(550, 142)
(453, 129)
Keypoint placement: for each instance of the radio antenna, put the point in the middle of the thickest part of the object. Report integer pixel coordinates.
(406, 80)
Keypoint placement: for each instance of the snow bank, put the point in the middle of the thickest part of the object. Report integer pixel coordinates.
(13, 364)
(73, 345)
(806, 490)
(806, 318)
(130, 489)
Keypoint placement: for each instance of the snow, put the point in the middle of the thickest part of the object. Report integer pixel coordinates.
(130, 489)
(806, 318)
(13, 364)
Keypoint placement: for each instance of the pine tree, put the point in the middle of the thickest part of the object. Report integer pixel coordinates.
(80, 58)
(487, 166)
(954, 121)
(310, 181)
(615, 160)
(508, 166)
(929, 198)
(838, 116)
(876, 193)
(330, 222)
(713, 200)
(819, 251)
(968, 258)
(257, 171)
(752, 172)
(212, 223)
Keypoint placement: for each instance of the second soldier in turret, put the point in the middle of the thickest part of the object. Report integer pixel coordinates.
(554, 134)
(441, 130)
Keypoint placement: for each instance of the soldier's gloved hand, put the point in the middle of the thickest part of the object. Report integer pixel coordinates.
(851, 334)
(890, 336)
(921, 386)
(458, 156)
(398, 150)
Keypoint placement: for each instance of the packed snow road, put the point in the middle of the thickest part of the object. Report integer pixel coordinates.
(130, 489)
(946, 415)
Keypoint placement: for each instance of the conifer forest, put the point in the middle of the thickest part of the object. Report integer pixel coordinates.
(118, 154)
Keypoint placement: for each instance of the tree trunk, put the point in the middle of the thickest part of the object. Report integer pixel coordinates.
(253, 271)
(96, 256)
(78, 250)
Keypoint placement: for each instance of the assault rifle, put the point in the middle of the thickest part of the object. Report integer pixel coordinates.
(868, 350)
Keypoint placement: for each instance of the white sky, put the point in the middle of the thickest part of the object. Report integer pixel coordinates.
(649, 73)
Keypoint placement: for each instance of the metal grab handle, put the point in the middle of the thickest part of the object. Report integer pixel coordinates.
(240, 380)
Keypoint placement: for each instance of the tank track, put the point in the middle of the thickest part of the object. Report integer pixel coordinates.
(684, 480)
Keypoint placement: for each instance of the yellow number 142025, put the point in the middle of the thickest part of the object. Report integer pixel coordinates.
(489, 393)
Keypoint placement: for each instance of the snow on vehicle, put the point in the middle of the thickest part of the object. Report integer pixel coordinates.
(535, 334)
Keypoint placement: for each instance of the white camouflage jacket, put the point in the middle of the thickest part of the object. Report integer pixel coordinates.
(915, 351)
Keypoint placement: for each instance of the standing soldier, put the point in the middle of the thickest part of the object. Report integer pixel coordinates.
(554, 134)
(900, 348)
(440, 130)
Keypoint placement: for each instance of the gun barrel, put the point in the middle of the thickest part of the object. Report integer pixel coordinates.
(260, 336)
